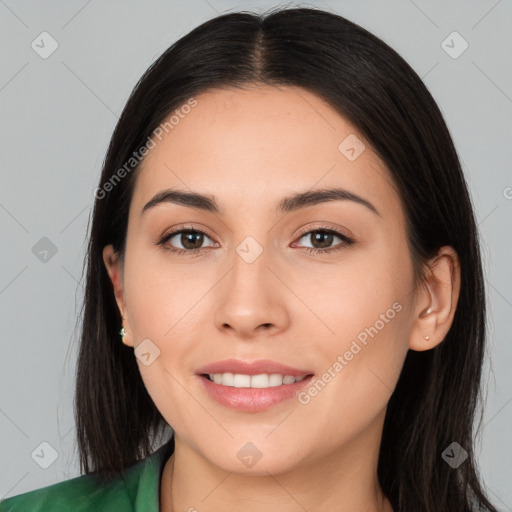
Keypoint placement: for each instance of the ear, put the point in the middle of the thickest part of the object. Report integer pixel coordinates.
(437, 301)
(114, 268)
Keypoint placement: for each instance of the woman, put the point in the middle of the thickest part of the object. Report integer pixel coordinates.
(284, 236)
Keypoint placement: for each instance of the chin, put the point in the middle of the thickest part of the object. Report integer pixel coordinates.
(254, 459)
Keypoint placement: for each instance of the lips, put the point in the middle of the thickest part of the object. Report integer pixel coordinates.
(257, 397)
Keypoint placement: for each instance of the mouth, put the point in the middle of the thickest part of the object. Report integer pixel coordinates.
(253, 393)
(252, 386)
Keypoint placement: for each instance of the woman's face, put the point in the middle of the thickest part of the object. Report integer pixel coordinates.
(253, 291)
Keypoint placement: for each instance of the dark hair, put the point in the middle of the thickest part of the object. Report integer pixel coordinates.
(368, 83)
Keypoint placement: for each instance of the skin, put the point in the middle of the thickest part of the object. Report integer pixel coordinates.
(250, 148)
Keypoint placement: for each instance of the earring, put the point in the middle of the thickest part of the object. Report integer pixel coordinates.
(123, 333)
(427, 337)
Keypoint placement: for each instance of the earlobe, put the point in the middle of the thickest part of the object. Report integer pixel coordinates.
(437, 301)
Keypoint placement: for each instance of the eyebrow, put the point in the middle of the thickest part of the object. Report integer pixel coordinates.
(292, 203)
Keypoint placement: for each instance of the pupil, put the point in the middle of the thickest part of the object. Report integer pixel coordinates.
(323, 236)
(187, 237)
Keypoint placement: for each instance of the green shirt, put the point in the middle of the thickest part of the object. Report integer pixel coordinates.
(138, 490)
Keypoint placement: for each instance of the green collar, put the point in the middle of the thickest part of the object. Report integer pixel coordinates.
(143, 479)
(137, 490)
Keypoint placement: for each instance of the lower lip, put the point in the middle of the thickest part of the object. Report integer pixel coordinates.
(252, 399)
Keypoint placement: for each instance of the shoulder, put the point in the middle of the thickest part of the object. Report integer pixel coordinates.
(136, 490)
(81, 494)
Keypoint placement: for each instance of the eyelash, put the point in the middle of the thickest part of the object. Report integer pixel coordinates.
(347, 241)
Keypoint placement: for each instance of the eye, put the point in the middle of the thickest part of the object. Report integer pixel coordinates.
(190, 239)
(323, 237)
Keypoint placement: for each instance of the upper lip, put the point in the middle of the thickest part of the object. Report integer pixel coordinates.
(251, 368)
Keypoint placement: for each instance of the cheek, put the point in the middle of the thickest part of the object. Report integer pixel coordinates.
(164, 307)
(351, 296)
(362, 364)
(366, 307)
(158, 293)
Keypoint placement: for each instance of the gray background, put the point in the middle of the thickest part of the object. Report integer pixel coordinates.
(57, 115)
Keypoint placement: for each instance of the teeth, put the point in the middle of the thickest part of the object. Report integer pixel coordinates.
(241, 381)
(263, 380)
(260, 381)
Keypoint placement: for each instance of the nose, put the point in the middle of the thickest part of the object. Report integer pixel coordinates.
(251, 300)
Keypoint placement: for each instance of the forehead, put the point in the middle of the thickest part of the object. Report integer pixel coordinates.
(262, 143)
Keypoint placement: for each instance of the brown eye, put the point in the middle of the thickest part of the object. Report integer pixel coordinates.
(322, 240)
(191, 241)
